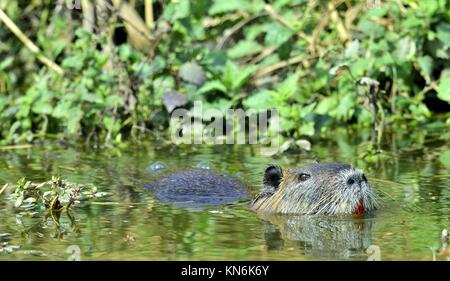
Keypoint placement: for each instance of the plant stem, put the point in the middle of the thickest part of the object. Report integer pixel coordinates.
(149, 18)
(28, 43)
(3, 188)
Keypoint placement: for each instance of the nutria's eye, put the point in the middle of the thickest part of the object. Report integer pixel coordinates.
(364, 178)
(303, 177)
(350, 181)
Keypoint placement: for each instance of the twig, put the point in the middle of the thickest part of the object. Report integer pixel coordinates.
(3, 188)
(268, 69)
(215, 21)
(88, 10)
(11, 147)
(428, 88)
(340, 28)
(124, 11)
(258, 82)
(393, 88)
(264, 53)
(228, 33)
(28, 43)
(149, 17)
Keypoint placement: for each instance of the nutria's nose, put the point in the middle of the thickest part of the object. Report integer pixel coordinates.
(359, 178)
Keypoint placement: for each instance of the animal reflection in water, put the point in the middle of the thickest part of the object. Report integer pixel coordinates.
(326, 237)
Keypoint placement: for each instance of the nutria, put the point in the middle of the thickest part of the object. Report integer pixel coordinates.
(319, 188)
(310, 189)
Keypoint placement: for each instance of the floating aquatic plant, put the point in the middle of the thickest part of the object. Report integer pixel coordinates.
(56, 194)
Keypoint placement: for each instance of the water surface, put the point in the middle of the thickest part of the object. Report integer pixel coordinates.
(133, 225)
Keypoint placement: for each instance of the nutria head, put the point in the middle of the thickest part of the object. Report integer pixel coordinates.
(317, 188)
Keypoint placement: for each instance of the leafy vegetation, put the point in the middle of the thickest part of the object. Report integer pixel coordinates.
(305, 58)
(55, 195)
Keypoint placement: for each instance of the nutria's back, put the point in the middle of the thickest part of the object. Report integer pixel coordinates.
(198, 187)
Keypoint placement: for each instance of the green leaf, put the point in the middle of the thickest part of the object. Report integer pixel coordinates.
(307, 129)
(306, 109)
(212, 86)
(234, 77)
(163, 84)
(352, 49)
(244, 48)
(445, 158)
(6, 63)
(345, 108)
(406, 49)
(108, 121)
(192, 73)
(326, 105)
(4, 101)
(216, 60)
(146, 70)
(42, 108)
(371, 28)
(182, 10)
(73, 62)
(253, 31)
(426, 67)
(443, 90)
(288, 87)
(229, 73)
(58, 47)
(242, 77)
(220, 7)
(443, 32)
(287, 124)
(412, 22)
(176, 10)
(429, 7)
(88, 97)
(221, 104)
(19, 201)
(75, 115)
(260, 100)
(277, 34)
(61, 110)
(361, 67)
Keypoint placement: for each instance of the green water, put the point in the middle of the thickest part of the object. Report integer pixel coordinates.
(133, 225)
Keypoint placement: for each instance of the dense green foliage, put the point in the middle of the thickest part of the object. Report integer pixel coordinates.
(303, 58)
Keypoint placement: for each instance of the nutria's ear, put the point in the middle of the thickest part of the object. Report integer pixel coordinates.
(272, 177)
